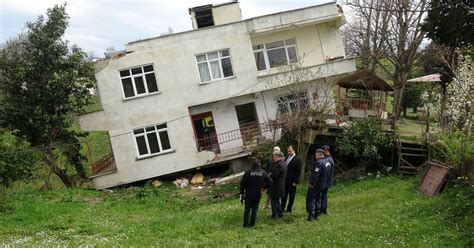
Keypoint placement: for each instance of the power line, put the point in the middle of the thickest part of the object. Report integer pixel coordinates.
(394, 9)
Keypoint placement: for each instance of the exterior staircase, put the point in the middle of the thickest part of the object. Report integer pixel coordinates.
(412, 156)
(250, 131)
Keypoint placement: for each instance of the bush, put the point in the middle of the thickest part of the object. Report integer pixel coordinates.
(457, 150)
(364, 141)
(16, 159)
(263, 151)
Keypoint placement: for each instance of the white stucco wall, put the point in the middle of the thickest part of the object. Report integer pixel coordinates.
(226, 13)
(180, 91)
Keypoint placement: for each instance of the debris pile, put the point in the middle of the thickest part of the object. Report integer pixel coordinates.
(198, 181)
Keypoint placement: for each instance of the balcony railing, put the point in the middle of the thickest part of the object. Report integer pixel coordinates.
(361, 103)
(248, 135)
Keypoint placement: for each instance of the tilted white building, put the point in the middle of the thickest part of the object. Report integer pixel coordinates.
(191, 99)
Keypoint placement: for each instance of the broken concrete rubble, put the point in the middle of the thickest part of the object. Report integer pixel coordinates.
(181, 183)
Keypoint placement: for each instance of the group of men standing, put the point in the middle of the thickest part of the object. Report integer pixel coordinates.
(281, 178)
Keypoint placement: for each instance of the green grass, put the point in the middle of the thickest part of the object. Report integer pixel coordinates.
(376, 212)
(93, 106)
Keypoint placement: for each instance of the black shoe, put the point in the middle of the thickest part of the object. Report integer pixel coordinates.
(288, 210)
(310, 217)
(325, 211)
(280, 216)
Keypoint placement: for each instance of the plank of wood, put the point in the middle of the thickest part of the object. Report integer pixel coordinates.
(413, 155)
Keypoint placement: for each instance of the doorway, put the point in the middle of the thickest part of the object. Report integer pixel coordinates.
(205, 132)
(248, 122)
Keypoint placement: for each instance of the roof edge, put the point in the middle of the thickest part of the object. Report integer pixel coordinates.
(230, 23)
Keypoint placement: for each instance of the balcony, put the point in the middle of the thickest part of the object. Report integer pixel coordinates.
(296, 18)
(248, 134)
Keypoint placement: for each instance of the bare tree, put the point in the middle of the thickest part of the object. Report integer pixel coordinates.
(391, 30)
(306, 105)
(367, 33)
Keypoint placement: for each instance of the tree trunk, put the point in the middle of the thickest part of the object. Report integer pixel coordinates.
(399, 85)
(67, 180)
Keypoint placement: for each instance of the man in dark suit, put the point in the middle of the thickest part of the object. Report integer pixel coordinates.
(277, 190)
(253, 182)
(293, 173)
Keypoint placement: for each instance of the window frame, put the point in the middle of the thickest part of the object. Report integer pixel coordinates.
(145, 83)
(265, 50)
(219, 60)
(157, 133)
(288, 101)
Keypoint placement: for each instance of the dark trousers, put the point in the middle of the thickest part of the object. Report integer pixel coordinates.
(250, 212)
(290, 191)
(276, 207)
(324, 200)
(311, 200)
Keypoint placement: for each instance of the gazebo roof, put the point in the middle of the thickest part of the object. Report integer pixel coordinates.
(364, 80)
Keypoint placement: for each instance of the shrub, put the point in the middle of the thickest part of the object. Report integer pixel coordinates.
(16, 159)
(455, 148)
(364, 141)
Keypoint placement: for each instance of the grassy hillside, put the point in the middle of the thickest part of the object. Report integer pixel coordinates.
(376, 212)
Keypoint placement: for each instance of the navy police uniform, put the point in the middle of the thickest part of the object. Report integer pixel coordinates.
(252, 183)
(316, 183)
(329, 166)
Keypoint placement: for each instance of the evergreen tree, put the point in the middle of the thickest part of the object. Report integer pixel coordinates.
(44, 82)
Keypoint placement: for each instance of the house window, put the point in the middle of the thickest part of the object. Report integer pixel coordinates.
(293, 102)
(214, 65)
(152, 140)
(138, 81)
(274, 54)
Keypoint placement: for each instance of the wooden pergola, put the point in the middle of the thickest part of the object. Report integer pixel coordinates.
(373, 90)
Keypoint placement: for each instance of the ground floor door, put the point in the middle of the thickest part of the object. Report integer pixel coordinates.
(248, 122)
(205, 132)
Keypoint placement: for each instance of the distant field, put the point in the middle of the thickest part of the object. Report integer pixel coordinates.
(374, 212)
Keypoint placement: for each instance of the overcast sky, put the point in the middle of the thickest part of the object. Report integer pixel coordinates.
(98, 24)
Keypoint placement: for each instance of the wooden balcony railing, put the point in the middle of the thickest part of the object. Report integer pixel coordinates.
(361, 103)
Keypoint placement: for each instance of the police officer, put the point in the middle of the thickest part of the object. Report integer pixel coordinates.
(316, 183)
(329, 164)
(253, 182)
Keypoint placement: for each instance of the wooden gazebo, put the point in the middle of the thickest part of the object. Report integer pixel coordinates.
(363, 94)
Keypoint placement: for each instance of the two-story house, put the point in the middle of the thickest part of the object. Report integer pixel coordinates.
(182, 101)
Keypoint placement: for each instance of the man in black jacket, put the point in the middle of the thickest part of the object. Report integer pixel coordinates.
(316, 182)
(253, 182)
(293, 172)
(277, 190)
